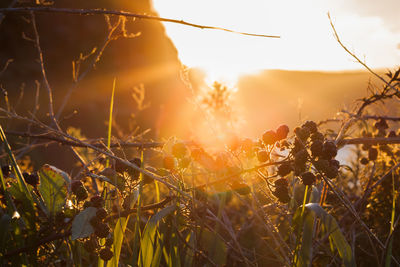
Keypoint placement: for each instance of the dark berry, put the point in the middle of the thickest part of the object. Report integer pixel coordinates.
(106, 254)
(331, 171)
(335, 163)
(102, 230)
(308, 178)
(322, 164)
(6, 170)
(300, 158)
(109, 242)
(329, 150)
(101, 213)
(75, 184)
(269, 137)
(302, 133)
(87, 204)
(282, 193)
(316, 148)
(90, 245)
(317, 136)
(282, 132)
(284, 169)
(372, 154)
(169, 162)
(311, 126)
(365, 147)
(179, 150)
(281, 182)
(95, 221)
(364, 161)
(262, 156)
(97, 201)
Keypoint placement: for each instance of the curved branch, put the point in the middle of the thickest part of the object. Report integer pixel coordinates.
(125, 14)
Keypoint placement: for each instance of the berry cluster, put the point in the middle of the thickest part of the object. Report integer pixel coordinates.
(282, 190)
(101, 230)
(308, 141)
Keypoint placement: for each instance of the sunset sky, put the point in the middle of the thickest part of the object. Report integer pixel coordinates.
(369, 28)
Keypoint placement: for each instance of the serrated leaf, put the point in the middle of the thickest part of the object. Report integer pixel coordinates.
(81, 226)
(53, 188)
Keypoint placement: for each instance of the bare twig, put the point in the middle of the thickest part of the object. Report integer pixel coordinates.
(125, 14)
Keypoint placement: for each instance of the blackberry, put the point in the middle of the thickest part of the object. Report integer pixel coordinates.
(109, 242)
(101, 213)
(372, 154)
(6, 170)
(316, 148)
(133, 172)
(365, 147)
(317, 136)
(32, 179)
(75, 185)
(364, 161)
(335, 163)
(311, 126)
(281, 182)
(269, 137)
(302, 133)
(282, 132)
(179, 150)
(106, 254)
(97, 201)
(329, 150)
(95, 221)
(262, 156)
(169, 162)
(322, 165)
(102, 230)
(90, 245)
(297, 146)
(284, 169)
(308, 178)
(300, 158)
(282, 193)
(331, 172)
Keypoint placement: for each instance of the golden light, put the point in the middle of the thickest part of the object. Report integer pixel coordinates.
(306, 43)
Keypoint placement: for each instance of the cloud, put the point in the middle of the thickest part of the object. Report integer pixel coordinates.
(387, 10)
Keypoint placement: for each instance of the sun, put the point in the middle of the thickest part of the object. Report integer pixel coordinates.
(306, 42)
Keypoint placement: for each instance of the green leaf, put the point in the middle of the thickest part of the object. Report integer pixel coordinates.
(148, 241)
(53, 188)
(329, 226)
(81, 226)
(119, 231)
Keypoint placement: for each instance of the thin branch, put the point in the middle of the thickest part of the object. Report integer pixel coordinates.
(125, 14)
